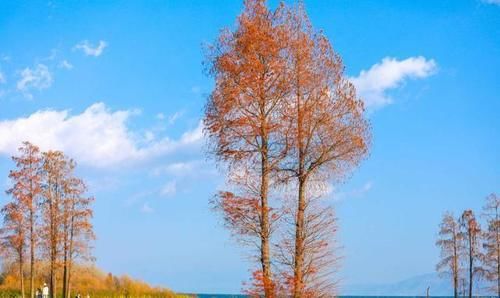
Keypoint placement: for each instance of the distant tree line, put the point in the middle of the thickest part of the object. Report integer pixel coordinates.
(283, 122)
(47, 218)
(470, 252)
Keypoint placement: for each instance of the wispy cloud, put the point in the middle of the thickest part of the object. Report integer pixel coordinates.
(97, 137)
(169, 189)
(52, 55)
(38, 77)
(65, 64)
(174, 117)
(190, 168)
(91, 50)
(354, 193)
(390, 73)
(2, 78)
(146, 208)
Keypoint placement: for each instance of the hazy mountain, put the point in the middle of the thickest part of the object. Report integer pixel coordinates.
(414, 286)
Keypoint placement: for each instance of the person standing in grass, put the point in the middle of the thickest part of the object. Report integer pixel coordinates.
(45, 291)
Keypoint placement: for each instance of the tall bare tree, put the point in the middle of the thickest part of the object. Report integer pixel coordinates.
(471, 235)
(492, 241)
(242, 116)
(325, 121)
(452, 250)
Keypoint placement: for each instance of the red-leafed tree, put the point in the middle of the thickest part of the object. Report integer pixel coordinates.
(470, 232)
(327, 131)
(491, 244)
(14, 236)
(241, 210)
(57, 168)
(20, 215)
(77, 229)
(321, 251)
(452, 251)
(242, 117)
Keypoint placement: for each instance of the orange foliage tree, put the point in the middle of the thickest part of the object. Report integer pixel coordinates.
(67, 214)
(20, 215)
(242, 116)
(321, 257)
(283, 111)
(56, 167)
(492, 241)
(326, 126)
(471, 236)
(452, 250)
(77, 229)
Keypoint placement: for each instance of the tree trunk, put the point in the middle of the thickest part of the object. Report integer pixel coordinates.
(471, 264)
(32, 254)
(498, 252)
(301, 204)
(68, 294)
(69, 258)
(299, 241)
(455, 265)
(52, 278)
(21, 272)
(498, 267)
(53, 252)
(65, 276)
(265, 229)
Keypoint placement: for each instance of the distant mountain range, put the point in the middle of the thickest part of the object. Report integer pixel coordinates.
(414, 286)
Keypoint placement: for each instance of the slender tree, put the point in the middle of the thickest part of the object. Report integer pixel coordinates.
(14, 236)
(325, 121)
(56, 170)
(471, 234)
(492, 242)
(76, 226)
(241, 211)
(242, 116)
(452, 250)
(25, 193)
(321, 257)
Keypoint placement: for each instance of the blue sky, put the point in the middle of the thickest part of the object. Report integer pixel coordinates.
(120, 87)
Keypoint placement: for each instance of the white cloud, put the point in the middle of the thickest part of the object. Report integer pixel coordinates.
(178, 168)
(90, 49)
(146, 208)
(372, 84)
(65, 64)
(97, 137)
(190, 168)
(354, 193)
(169, 189)
(171, 119)
(194, 135)
(174, 117)
(38, 78)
